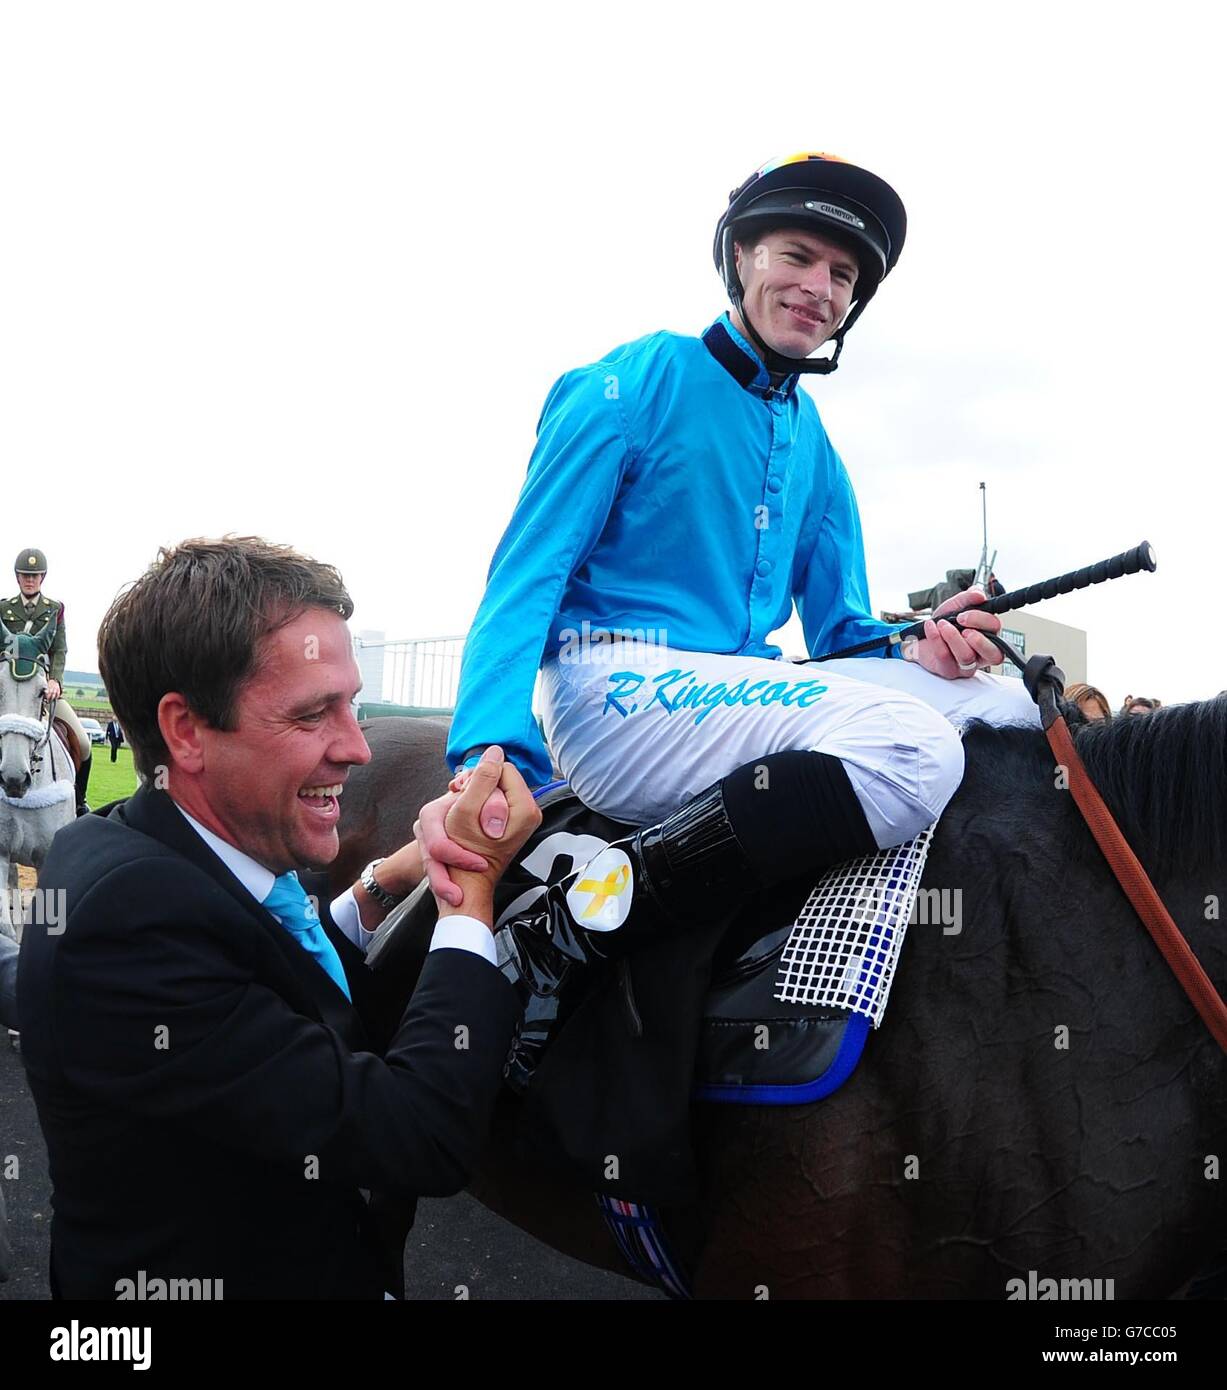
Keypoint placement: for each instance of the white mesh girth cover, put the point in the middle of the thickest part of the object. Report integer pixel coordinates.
(844, 946)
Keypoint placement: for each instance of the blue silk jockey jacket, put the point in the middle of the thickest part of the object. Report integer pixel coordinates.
(673, 493)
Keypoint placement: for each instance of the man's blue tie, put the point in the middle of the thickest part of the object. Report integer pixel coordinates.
(289, 904)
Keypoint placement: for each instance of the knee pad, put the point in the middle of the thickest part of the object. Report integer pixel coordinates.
(795, 813)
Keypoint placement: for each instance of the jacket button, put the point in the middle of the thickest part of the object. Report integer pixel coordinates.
(763, 568)
(774, 484)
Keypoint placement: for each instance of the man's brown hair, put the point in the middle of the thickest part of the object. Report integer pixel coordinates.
(194, 622)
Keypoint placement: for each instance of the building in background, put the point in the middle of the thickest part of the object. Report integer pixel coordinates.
(1033, 635)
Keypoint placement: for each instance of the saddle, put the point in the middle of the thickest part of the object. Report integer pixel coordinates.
(71, 746)
(765, 1008)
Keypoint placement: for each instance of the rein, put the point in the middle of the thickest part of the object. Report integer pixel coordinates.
(1045, 683)
(35, 755)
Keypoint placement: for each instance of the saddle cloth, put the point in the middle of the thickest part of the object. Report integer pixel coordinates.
(795, 984)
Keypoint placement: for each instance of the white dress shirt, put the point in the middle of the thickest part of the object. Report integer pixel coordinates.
(458, 933)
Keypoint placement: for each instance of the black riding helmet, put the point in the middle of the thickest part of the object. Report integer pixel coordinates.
(829, 196)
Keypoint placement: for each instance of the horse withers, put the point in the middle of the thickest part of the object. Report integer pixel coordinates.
(1041, 1098)
(37, 794)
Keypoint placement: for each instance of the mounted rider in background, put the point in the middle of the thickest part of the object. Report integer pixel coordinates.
(30, 610)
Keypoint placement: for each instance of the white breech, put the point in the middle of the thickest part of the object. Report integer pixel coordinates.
(638, 731)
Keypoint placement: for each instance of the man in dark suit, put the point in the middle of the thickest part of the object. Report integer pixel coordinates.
(114, 736)
(203, 1050)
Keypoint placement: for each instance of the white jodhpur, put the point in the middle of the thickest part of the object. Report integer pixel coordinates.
(639, 730)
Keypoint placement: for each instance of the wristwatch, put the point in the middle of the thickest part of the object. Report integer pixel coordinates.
(381, 896)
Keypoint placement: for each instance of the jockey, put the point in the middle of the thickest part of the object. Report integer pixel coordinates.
(682, 496)
(30, 610)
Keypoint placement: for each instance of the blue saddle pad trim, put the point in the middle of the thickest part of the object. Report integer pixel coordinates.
(850, 1048)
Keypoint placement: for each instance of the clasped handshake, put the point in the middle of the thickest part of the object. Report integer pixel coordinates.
(465, 839)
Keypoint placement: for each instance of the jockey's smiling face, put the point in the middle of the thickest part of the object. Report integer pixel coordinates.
(295, 733)
(796, 287)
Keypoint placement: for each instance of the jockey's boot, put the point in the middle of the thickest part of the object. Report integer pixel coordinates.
(699, 866)
(82, 784)
(684, 869)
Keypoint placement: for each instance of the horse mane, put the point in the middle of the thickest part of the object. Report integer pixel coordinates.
(1163, 776)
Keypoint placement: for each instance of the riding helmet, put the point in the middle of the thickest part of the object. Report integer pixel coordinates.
(827, 195)
(31, 561)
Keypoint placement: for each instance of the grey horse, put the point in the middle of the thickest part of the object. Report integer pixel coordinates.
(36, 773)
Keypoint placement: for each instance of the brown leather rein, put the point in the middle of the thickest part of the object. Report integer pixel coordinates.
(1046, 683)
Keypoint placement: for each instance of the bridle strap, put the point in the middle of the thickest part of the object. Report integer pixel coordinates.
(39, 740)
(48, 737)
(51, 704)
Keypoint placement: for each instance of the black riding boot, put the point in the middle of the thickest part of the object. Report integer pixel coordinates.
(82, 784)
(786, 815)
(667, 876)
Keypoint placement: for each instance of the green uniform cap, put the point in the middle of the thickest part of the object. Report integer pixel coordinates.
(30, 562)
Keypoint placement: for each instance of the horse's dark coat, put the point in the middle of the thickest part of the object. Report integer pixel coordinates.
(1041, 1094)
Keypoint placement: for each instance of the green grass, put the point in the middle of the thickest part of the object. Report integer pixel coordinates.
(109, 781)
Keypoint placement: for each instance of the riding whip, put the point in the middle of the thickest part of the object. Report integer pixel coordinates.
(1141, 557)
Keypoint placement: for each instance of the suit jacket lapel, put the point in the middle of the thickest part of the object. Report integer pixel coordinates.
(154, 813)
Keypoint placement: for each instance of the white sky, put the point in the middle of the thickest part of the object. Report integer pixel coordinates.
(308, 270)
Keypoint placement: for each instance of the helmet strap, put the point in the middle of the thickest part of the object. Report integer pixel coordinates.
(779, 364)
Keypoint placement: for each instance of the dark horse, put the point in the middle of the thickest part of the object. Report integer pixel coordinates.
(1041, 1095)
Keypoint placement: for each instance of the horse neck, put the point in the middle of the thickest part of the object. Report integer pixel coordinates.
(1047, 936)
